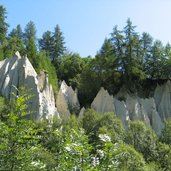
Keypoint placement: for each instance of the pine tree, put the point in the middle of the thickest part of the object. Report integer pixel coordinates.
(17, 32)
(156, 61)
(30, 42)
(130, 35)
(59, 47)
(15, 42)
(146, 45)
(3, 31)
(132, 58)
(46, 43)
(3, 24)
(117, 40)
(107, 48)
(30, 32)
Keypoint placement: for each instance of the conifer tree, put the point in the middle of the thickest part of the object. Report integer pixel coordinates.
(30, 31)
(15, 42)
(59, 48)
(3, 24)
(17, 32)
(46, 44)
(3, 31)
(117, 40)
(30, 42)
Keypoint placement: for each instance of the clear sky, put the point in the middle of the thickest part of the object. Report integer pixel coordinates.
(86, 23)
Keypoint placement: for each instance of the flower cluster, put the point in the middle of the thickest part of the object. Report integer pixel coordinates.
(104, 138)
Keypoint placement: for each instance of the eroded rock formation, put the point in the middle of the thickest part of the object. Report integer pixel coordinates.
(162, 96)
(18, 71)
(131, 107)
(103, 102)
(67, 100)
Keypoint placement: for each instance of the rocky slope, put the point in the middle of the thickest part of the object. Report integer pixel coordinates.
(153, 111)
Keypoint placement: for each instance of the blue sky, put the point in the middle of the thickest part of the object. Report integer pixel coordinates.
(86, 23)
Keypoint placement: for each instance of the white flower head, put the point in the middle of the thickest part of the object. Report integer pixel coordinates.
(104, 138)
(95, 161)
(100, 153)
(67, 148)
(38, 164)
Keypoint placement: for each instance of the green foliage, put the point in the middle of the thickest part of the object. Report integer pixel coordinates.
(31, 50)
(44, 64)
(69, 68)
(128, 158)
(111, 125)
(93, 142)
(29, 32)
(166, 132)
(163, 156)
(95, 124)
(117, 156)
(90, 123)
(153, 166)
(19, 142)
(46, 43)
(17, 32)
(14, 44)
(30, 42)
(5, 108)
(156, 61)
(58, 48)
(3, 25)
(142, 138)
(89, 84)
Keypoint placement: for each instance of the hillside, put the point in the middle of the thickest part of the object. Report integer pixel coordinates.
(60, 111)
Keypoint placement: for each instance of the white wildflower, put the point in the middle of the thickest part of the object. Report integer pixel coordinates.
(34, 163)
(100, 153)
(76, 144)
(67, 148)
(38, 164)
(95, 161)
(104, 138)
(43, 166)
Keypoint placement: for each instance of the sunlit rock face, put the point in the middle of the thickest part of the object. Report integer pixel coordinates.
(67, 100)
(129, 107)
(121, 111)
(103, 102)
(162, 96)
(18, 71)
(149, 107)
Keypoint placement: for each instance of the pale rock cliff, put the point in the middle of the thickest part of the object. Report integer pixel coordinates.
(18, 71)
(162, 96)
(121, 111)
(67, 100)
(131, 108)
(103, 102)
(149, 107)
